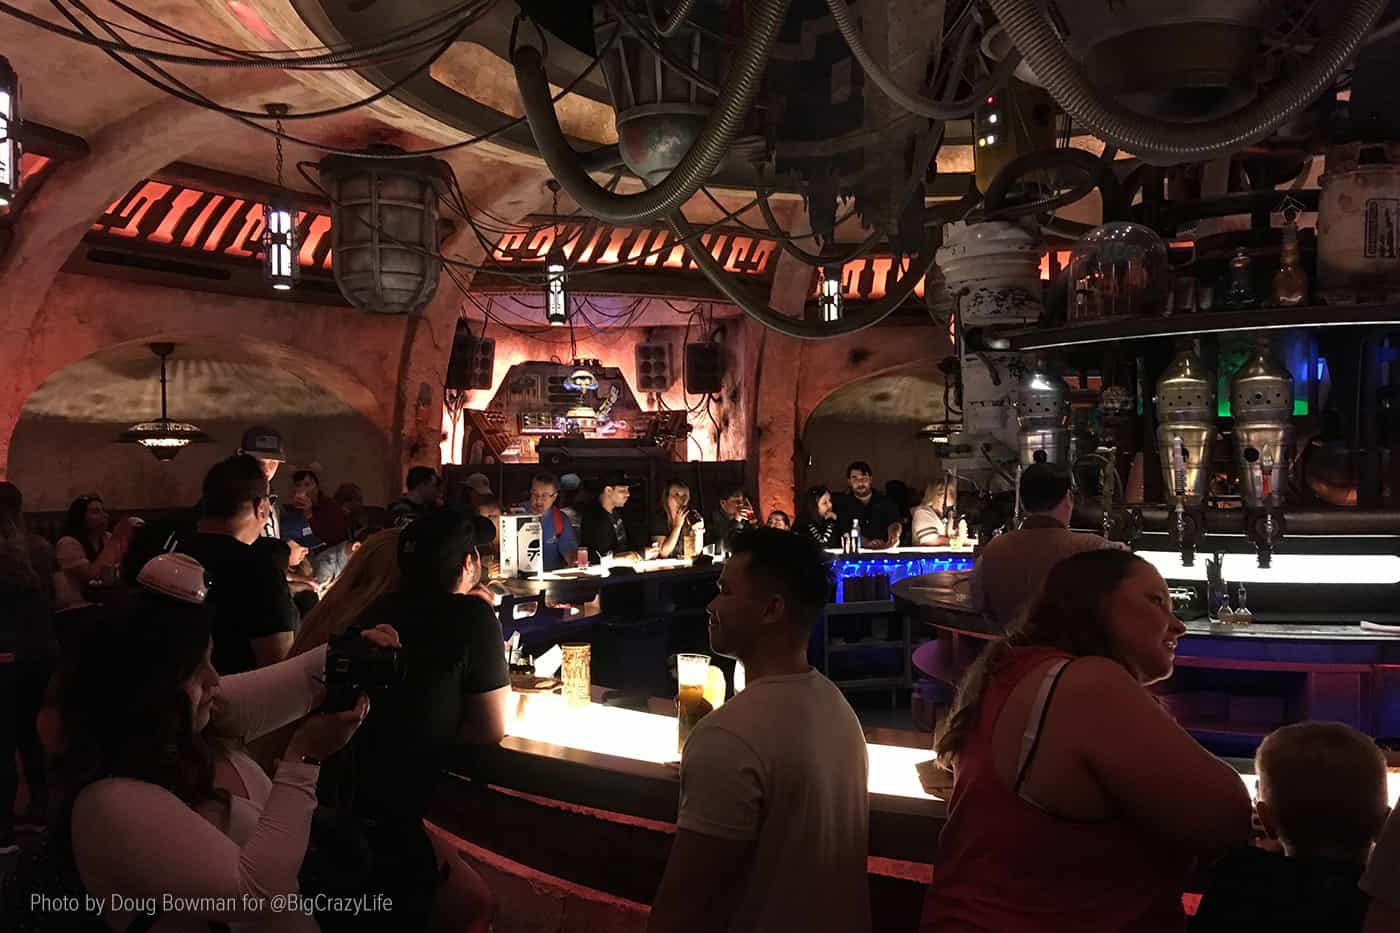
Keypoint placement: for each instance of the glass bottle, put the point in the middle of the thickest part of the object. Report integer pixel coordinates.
(1242, 614)
(855, 536)
(1290, 281)
(1239, 293)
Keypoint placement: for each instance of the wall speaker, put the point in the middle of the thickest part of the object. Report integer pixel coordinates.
(473, 360)
(654, 367)
(704, 368)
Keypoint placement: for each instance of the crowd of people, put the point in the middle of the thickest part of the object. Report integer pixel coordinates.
(197, 697)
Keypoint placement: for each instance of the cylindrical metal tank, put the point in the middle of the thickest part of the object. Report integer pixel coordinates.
(1042, 414)
(998, 263)
(1261, 403)
(1186, 427)
(1358, 224)
(384, 217)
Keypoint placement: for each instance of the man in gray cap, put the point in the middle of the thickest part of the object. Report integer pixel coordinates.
(264, 444)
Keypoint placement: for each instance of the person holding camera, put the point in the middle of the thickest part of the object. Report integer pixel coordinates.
(454, 691)
(163, 813)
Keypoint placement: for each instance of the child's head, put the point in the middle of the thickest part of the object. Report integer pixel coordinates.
(1322, 789)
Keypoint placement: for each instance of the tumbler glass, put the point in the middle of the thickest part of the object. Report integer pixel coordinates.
(576, 674)
(692, 670)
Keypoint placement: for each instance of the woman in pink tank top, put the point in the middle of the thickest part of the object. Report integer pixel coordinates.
(1078, 804)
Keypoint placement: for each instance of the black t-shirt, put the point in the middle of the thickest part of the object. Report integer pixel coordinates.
(452, 650)
(661, 528)
(604, 533)
(249, 595)
(1253, 890)
(876, 516)
(721, 528)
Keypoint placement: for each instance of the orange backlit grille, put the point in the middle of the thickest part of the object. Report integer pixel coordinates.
(184, 217)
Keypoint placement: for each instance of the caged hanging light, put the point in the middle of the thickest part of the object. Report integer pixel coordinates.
(279, 241)
(163, 438)
(556, 273)
(9, 133)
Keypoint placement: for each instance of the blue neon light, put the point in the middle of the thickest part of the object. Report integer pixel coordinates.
(896, 568)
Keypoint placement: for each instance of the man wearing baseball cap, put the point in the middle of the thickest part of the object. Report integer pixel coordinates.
(264, 444)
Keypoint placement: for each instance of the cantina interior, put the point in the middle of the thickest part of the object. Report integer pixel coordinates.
(621, 282)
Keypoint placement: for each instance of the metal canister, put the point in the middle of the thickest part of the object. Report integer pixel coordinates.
(1358, 223)
(1186, 427)
(1261, 403)
(1042, 414)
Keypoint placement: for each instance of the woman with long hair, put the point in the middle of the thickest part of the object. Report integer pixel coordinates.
(372, 571)
(1078, 803)
(86, 550)
(819, 517)
(929, 521)
(158, 796)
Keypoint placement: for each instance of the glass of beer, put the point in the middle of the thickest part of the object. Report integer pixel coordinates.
(576, 674)
(692, 670)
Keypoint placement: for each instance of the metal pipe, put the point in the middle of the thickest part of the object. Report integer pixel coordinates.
(1170, 143)
(1339, 522)
(722, 127)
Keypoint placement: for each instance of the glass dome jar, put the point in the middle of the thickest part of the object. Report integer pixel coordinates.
(1118, 270)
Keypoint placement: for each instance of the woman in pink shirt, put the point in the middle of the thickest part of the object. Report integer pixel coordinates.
(1078, 804)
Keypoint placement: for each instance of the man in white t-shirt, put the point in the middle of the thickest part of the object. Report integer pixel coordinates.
(772, 835)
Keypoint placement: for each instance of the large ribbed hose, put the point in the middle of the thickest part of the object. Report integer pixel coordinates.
(916, 103)
(1170, 143)
(721, 128)
(666, 26)
(868, 316)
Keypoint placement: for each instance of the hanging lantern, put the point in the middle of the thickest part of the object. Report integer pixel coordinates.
(9, 133)
(556, 278)
(163, 438)
(279, 243)
(279, 240)
(829, 296)
(384, 229)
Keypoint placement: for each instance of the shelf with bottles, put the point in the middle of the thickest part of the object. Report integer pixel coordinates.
(1204, 322)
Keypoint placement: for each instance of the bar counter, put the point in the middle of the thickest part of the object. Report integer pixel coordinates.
(590, 795)
(1233, 683)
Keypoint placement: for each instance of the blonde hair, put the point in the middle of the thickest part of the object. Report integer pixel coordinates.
(372, 571)
(1325, 784)
(936, 494)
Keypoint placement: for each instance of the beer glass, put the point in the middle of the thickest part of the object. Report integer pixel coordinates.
(691, 706)
(576, 674)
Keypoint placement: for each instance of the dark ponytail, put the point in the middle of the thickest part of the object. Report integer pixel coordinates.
(1068, 615)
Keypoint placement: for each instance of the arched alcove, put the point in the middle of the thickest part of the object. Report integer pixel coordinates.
(877, 419)
(65, 442)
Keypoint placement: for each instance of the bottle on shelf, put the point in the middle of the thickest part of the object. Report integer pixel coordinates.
(1242, 614)
(1290, 281)
(1239, 293)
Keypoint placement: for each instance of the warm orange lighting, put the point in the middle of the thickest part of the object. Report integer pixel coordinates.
(633, 246)
(132, 208)
(250, 234)
(31, 166)
(184, 201)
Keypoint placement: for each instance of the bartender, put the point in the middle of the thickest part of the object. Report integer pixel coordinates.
(672, 523)
(604, 532)
(880, 523)
(558, 543)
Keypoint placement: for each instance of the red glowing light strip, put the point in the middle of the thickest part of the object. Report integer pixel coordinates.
(31, 166)
(172, 206)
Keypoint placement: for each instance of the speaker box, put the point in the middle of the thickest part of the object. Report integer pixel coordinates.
(654, 367)
(473, 360)
(704, 368)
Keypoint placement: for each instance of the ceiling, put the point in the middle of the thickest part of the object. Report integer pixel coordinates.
(206, 381)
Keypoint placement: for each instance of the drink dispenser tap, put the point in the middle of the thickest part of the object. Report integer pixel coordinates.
(1261, 403)
(1185, 401)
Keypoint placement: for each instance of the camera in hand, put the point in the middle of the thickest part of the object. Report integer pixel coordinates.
(355, 665)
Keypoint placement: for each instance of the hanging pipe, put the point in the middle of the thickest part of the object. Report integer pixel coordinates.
(1163, 143)
(721, 128)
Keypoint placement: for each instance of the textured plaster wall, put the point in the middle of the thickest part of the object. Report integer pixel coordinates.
(58, 459)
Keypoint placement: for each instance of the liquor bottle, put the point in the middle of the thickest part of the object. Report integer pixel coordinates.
(855, 536)
(1239, 293)
(1242, 614)
(1290, 281)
